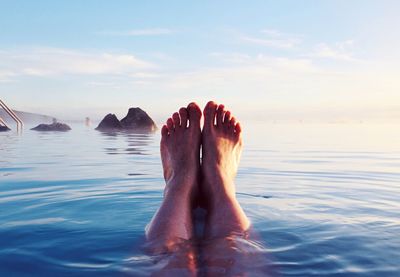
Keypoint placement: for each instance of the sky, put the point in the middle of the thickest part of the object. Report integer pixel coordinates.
(330, 61)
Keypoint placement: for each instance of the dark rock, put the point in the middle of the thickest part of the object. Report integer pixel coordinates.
(4, 128)
(138, 120)
(59, 127)
(109, 123)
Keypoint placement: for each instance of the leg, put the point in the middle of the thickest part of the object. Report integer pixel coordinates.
(226, 253)
(171, 227)
(180, 150)
(221, 150)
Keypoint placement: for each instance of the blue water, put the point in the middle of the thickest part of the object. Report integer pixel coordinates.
(323, 200)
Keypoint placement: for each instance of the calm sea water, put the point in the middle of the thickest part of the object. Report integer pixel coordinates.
(323, 199)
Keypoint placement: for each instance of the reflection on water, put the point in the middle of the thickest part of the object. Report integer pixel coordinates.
(136, 142)
(323, 200)
(233, 255)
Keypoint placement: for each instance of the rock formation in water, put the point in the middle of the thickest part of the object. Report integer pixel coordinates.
(136, 120)
(4, 128)
(109, 123)
(58, 127)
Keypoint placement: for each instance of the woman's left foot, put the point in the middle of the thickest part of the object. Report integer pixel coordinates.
(180, 151)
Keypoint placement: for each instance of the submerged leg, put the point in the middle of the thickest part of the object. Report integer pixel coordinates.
(226, 251)
(221, 150)
(171, 228)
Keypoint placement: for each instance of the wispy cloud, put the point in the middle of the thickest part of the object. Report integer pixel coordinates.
(337, 51)
(43, 62)
(274, 39)
(231, 57)
(265, 61)
(303, 83)
(5, 76)
(253, 74)
(139, 32)
(145, 75)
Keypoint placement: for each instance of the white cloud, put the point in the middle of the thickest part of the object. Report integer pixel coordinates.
(338, 51)
(289, 86)
(139, 32)
(57, 61)
(102, 84)
(274, 39)
(265, 61)
(145, 75)
(5, 75)
(231, 57)
(275, 43)
(245, 73)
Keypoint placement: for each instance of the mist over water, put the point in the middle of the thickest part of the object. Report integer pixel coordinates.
(323, 201)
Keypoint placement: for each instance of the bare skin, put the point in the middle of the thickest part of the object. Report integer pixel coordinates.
(180, 150)
(172, 226)
(189, 183)
(221, 151)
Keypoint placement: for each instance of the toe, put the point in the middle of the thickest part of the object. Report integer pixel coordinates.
(227, 118)
(164, 131)
(177, 120)
(194, 114)
(232, 123)
(209, 114)
(220, 115)
(238, 128)
(170, 125)
(184, 116)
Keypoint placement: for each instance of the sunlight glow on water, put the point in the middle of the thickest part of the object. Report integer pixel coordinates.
(323, 200)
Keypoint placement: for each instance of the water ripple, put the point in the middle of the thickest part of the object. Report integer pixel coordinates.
(77, 203)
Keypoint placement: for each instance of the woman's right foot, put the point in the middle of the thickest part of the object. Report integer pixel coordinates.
(221, 151)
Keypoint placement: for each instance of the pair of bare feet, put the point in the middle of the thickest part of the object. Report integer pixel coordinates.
(191, 180)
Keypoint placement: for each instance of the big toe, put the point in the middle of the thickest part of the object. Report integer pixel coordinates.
(209, 113)
(194, 115)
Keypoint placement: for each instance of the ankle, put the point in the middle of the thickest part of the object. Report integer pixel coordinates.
(220, 187)
(181, 178)
(223, 200)
(233, 218)
(218, 174)
(180, 186)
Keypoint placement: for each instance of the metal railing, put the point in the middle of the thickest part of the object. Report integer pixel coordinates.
(3, 122)
(13, 115)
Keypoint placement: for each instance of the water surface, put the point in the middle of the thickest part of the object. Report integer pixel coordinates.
(323, 199)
